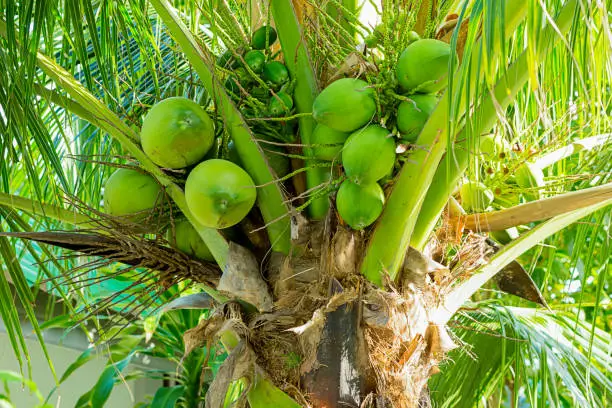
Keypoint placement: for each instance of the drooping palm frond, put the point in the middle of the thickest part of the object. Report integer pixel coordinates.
(524, 357)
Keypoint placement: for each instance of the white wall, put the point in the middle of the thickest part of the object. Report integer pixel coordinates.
(63, 352)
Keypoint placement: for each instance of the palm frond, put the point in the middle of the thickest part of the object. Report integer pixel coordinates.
(514, 354)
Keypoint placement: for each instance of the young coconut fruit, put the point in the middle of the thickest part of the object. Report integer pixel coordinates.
(345, 105)
(227, 60)
(176, 133)
(258, 41)
(359, 205)
(531, 178)
(187, 240)
(368, 154)
(276, 73)
(128, 191)
(475, 196)
(219, 193)
(412, 116)
(280, 104)
(423, 66)
(256, 60)
(324, 135)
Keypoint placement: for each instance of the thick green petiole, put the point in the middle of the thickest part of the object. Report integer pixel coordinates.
(269, 196)
(306, 89)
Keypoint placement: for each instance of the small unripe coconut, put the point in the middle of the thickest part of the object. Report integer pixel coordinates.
(359, 205)
(256, 60)
(423, 66)
(219, 193)
(128, 192)
(276, 73)
(412, 116)
(176, 133)
(186, 239)
(530, 178)
(258, 41)
(345, 105)
(280, 104)
(368, 154)
(324, 135)
(227, 60)
(412, 37)
(475, 196)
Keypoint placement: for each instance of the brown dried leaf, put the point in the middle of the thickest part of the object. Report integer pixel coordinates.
(199, 335)
(439, 342)
(243, 280)
(344, 253)
(240, 363)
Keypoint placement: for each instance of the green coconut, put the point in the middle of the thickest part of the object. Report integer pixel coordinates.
(530, 178)
(227, 60)
(359, 205)
(276, 73)
(412, 36)
(176, 133)
(128, 192)
(412, 116)
(186, 239)
(219, 193)
(280, 104)
(423, 66)
(258, 41)
(324, 135)
(492, 147)
(345, 105)
(368, 154)
(377, 36)
(475, 196)
(256, 60)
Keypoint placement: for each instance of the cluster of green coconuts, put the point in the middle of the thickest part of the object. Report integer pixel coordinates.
(344, 112)
(274, 73)
(277, 96)
(177, 133)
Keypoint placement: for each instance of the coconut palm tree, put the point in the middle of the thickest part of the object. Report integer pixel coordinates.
(451, 295)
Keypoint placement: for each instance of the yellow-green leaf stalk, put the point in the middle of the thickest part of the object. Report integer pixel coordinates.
(298, 62)
(269, 195)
